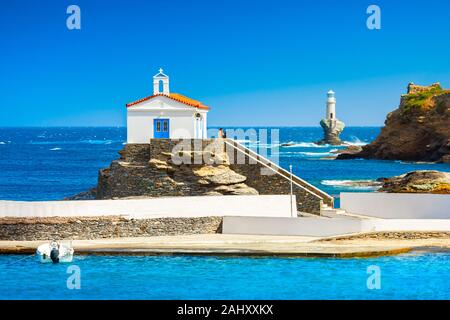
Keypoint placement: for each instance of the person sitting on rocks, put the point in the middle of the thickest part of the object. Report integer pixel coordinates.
(221, 134)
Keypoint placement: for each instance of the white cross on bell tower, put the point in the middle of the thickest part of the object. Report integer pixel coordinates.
(157, 79)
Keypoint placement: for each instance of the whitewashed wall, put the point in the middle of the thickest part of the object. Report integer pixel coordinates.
(140, 125)
(325, 227)
(397, 205)
(182, 122)
(373, 225)
(200, 206)
(313, 227)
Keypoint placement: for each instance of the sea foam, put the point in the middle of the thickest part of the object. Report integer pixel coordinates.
(353, 184)
(304, 144)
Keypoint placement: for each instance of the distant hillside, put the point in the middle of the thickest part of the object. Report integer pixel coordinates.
(419, 130)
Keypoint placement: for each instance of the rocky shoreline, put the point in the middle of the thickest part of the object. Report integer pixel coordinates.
(421, 181)
(417, 131)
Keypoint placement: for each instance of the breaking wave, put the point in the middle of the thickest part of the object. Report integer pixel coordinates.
(315, 154)
(98, 141)
(353, 184)
(300, 144)
(355, 142)
(304, 154)
(292, 144)
(106, 142)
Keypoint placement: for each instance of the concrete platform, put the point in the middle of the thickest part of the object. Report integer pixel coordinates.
(232, 245)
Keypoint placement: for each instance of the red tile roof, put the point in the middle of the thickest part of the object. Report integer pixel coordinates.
(174, 96)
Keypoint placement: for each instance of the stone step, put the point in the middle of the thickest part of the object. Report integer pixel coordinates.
(332, 211)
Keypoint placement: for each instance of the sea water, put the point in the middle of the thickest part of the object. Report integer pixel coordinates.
(53, 163)
(407, 276)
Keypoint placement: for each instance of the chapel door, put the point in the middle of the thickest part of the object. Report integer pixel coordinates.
(161, 128)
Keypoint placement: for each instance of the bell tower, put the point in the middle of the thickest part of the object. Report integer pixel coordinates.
(161, 80)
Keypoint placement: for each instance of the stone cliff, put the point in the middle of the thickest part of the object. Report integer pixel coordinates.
(419, 130)
(137, 174)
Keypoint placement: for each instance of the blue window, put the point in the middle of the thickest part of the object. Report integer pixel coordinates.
(161, 128)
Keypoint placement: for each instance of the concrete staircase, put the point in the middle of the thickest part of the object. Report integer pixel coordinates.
(268, 177)
(327, 211)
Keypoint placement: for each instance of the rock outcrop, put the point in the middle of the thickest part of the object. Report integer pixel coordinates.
(350, 150)
(85, 195)
(422, 181)
(419, 130)
(155, 170)
(133, 176)
(332, 129)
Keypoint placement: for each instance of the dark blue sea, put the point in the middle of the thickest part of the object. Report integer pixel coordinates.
(53, 163)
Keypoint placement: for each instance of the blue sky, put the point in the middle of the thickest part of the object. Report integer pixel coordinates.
(254, 62)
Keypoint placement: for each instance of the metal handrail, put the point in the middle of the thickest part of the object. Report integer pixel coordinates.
(298, 181)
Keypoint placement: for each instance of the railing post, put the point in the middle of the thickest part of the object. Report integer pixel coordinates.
(292, 189)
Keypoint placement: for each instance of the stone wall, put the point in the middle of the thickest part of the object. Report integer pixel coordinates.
(24, 229)
(189, 146)
(415, 88)
(276, 184)
(137, 153)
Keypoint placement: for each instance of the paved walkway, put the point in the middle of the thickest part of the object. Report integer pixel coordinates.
(220, 244)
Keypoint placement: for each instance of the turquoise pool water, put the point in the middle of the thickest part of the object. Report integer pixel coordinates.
(407, 276)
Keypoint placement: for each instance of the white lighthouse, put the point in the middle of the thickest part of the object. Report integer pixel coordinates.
(331, 105)
(332, 127)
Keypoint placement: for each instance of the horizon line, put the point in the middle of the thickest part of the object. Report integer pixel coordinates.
(212, 127)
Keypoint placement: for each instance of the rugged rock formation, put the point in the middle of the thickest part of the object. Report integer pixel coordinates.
(422, 181)
(163, 169)
(85, 195)
(131, 176)
(419, 130)
(332, 129)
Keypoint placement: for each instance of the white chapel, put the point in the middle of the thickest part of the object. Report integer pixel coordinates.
(165, 115)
